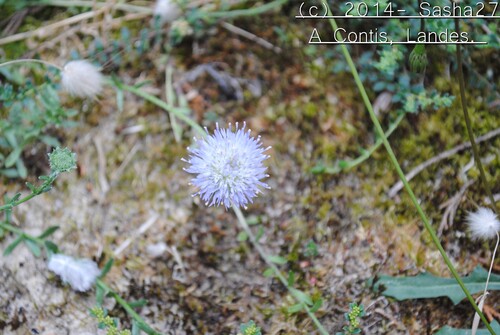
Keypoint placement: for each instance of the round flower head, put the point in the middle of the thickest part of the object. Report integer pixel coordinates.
(81, 79)
(228, 167)
(483, 224)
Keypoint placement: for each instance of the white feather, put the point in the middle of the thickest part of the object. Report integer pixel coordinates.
(82, 79)
(79, 273)
(483, 224)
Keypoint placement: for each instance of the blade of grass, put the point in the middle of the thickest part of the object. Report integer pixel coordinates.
(170, 95)
(179, 112)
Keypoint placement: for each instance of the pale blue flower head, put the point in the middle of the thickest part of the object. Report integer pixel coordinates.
(228, 166)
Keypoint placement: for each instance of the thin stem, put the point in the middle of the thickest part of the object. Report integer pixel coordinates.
(20, 201)
(19, 232)
(468, 123)
(407, 186)
(179, 112)
(33, 194)
(491, 264)
(243, 223)
(30, 60)
(142, 324)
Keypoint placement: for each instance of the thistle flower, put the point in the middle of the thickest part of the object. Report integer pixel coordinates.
(79, 273)
(166, 10)
(228, 167)
(483, 224)
(81, 79)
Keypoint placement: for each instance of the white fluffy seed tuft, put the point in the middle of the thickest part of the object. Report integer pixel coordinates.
(167, 10)
(79, 273)
(483, 224)
(82, 79)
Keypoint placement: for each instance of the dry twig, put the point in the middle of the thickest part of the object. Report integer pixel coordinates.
(254, 38)
(451, 206)
(444, 155)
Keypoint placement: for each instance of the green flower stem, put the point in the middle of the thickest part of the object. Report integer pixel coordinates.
(470, 132)
(140, 321)
(246, 12)
(29, 60)
(407, 186)
(179, 112)
(19, 232)
(243, 223)
(33, 194)
(15, 203)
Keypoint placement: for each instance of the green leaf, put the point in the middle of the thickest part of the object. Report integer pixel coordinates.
(51, 247)
(13, 245)
(268, 273)
(343, 164)
(31, 187)
(106, 268)
(146, 328)
(13, 157)
(33, 247)
(47, 232)
(301, 296)
(9, 173)
(426, 285)
(135, 328)
(99, 295)
(447, 330)
(295, 308)
(318, 169)
(242, 237)
(317, 305)
(21, 169)
(138, 303)
(259, 234)
(50, 140)
(291, 278)
(15, 198)
(277, 260)
(253, 220)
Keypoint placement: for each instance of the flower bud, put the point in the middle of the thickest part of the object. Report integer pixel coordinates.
(62, 160)
(418, 59)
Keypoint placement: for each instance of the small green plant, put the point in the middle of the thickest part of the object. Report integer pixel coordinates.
(72, 271)
(249, 328)
(311, 250)
(30, 114)
(107, 322)
(353, 318)
(30, 111)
